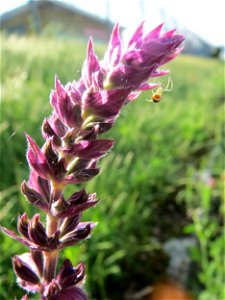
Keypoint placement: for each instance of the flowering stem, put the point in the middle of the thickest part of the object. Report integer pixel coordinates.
(52, 225)
(50, 262)
(81, 112)
(50, 257)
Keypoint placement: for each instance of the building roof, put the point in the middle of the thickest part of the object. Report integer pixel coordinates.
(41, 3)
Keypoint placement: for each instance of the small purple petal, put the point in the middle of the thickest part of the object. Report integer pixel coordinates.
(147, 86)
(133, 96)
(39, 184)
(91, 149)
(113, 53)
(56, 165)
(154, 34)
(91, 65)
(81, 176)
(169, 34)
(37, 231)
(78, 202)
(51, 291)
(136, 39)
(68, 113)
(59, 128)
(37, 160)
(106, 104)
(69, 224)
(81, 232)
(159, 72)
(74, 92)
(34, 197)
(48, 132)
(53, 241)
(75, 209)
(22, 225)
(78, 197)
(130, 76)
(171, 56)
(24, 270)
(69, 276)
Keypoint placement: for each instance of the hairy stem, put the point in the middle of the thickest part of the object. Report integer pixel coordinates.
(50, 263)
(50, 257)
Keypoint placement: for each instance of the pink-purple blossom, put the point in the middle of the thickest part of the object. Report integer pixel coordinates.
(81, 112)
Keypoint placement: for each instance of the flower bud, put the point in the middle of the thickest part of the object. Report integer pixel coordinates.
(57, 126)
(22, 225)
(37, 160)
(69, 276)
(91, 149)
(40, 185)
(23, 271)
(67, 112)
(81, 232)
(48, 132)
(34, 197)
(37, 231)
(51, 290)
(69, 224)
(80, 175)
(105, 104)
(56, 164)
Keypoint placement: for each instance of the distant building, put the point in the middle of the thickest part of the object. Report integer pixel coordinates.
(57, 18)
(195, 45)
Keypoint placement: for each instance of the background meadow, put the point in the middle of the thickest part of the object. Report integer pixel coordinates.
(162, 180)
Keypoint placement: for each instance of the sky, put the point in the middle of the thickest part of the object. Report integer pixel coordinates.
(203, 17)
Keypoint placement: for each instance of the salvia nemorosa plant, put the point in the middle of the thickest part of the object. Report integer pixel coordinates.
(81, 111)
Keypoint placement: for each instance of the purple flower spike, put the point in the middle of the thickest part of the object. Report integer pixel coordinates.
(82, 111)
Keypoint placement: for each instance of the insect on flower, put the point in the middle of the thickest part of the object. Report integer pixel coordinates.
(157, 95)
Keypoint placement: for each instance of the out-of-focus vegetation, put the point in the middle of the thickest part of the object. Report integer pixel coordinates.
(163, 179)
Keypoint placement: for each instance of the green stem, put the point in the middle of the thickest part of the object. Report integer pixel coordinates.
(52, 224)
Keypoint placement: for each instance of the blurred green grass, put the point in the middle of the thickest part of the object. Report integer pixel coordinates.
(143, 185)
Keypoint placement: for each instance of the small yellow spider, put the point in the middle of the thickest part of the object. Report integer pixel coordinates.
(157, 95)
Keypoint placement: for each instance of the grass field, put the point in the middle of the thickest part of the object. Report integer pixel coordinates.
(163, 179)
